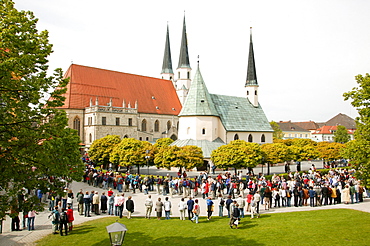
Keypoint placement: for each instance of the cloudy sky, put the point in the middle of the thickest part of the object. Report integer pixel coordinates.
(307, 52)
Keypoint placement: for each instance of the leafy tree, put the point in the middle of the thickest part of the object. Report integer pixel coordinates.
(35, 144)
(358, 150)
(341, 135)
(130, 152)
(237, 154)
(275, 152)
(188, 157)
(278, 133)
(329, 151)
(102, 148)
(302, 149)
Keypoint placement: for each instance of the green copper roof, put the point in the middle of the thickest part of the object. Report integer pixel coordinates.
(206, 146)
(184, 54)
(167, 61)
(238, 114)
(198, 101)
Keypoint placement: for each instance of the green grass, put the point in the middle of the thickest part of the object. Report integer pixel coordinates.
(322, 227)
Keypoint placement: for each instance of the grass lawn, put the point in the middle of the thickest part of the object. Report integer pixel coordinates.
(322, 227)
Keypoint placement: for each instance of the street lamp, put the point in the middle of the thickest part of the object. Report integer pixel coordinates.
(116, 233)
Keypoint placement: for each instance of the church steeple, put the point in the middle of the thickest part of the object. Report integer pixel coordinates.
(183, 70)
(184, 55)
(251, 84)
(167, 72)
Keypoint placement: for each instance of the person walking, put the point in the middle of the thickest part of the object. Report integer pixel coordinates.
(130, 207)
(148, 207)
(196, 211)
(182, 208)
(159, 208)
(234, 218)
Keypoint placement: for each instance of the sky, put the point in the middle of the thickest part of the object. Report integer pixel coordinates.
(307, 53)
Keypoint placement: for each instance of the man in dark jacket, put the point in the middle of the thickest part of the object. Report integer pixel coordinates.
(228, 203)
(130, 207)
(234, 220)
(190, 204)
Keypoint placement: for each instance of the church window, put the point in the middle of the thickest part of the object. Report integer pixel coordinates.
(204, 131)
(247, 93)
(168, 125)
(140, 138)
(143, 125)
(103, 121)
(179, 75)
(188, 75)
(255, 93)
(188, 131)
(117, 121)
(89, 121)
(156, 126)
(125, 136)
(236, 137)
(263, 138)
(147, 138)
(90, 138)
(129, 121)
(170, 77)
(76, 125)
(250, 138)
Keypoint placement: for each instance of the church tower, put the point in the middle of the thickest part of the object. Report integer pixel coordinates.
(167, 72)
(251, 84)
(183, 69)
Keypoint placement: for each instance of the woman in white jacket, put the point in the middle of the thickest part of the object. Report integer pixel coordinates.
(182, 208)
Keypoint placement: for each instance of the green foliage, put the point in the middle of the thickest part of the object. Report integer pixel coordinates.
(34, 141)
(174, 156)
(341, 135)
(359, 150)
(237, 154)
(101, 149)
(329, 151)
(278, 133)
(275, 152)
(130, 152)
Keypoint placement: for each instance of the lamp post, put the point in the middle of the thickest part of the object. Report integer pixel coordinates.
(117, 232)
(147, 159)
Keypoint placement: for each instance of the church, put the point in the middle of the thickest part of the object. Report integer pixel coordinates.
(102, 102)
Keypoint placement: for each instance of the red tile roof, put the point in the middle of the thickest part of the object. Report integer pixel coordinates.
(330, 130)
(155, 96)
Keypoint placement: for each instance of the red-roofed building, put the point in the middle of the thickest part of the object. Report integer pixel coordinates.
(326, 133)
(101, 102)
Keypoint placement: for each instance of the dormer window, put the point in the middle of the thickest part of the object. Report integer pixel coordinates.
(153, 97)
(202, 101)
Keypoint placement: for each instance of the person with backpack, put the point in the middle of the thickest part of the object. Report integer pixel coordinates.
(55, 219)
(63, 222)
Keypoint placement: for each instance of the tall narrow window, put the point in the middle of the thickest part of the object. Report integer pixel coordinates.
(250, 138)
(168, 125)
(263, 138)
(76, 125)
(143, 125)
(188, 75)
(90, 138)
(156, 126)
(236, 137)
(117, 121)
(129, 121)
(204, 131)
(103, 121)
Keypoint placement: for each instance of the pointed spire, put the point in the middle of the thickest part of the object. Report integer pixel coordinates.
(184, 56)
(198, 101)
(167, 61)
(251, 73)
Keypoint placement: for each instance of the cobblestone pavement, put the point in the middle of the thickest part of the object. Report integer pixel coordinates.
(43, 224)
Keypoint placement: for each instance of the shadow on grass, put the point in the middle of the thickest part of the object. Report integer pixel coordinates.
(83, 229)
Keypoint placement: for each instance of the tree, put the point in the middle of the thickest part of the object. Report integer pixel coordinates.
(329, 151)
(341, 135)
(237, 154)
(188, 157)
(275, 152)
(358, 150)
(101, 149)
(35, 144)
(130, 152)
(302, 149)
(278, 133)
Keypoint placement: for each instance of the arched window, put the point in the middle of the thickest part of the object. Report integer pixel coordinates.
(204, 131)
(76, 125)
(236, 137)
(143, 125)
(250, 138)
(247, 93)
(125, 136)
(255, 93)
(156, 126)
(263, 138)
(168, 125)
(147, 138)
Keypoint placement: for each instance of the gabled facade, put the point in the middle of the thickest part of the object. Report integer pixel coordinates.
(326, 133)
(291, 130)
